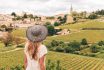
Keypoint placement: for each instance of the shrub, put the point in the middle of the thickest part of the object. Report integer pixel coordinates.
(92, 54)
(53, 65)
(56, 24)
(92, 16)
(75, 45)
(69, 49)
(9, 29)
(84, 42)
(6, 39)
(54, 43)
(60, 49)
(101, 43)
(13, 14)
(47, 23)
(95, 48)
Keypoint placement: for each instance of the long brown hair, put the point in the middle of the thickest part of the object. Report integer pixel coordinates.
(33, 49)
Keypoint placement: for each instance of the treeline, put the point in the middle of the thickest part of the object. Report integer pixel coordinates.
(99, 12)
(76, 47)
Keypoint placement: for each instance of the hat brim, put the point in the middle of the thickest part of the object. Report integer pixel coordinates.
(40, 37)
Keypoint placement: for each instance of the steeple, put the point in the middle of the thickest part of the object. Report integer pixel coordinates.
(71, 9)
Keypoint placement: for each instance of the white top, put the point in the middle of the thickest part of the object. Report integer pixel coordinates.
(34, 64)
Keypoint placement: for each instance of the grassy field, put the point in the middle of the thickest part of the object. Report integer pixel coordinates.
(68, 61)
(21, 32)
(87, 24)
(91, 36)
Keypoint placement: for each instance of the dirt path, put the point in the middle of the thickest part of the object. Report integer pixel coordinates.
(12, 50)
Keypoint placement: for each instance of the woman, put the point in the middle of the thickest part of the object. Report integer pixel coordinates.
(35, 51)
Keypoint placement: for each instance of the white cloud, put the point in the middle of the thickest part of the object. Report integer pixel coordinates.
(49, 7)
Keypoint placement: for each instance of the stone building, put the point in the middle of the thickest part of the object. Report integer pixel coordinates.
(69, 16)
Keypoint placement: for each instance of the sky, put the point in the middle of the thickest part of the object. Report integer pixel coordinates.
(49, 7)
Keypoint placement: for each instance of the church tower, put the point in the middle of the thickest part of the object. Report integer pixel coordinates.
(69, 16)
(71, 9)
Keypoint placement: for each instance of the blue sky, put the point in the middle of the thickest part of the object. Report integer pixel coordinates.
(49, 7)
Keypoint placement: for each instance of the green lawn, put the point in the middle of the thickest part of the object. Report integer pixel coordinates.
(68, 61)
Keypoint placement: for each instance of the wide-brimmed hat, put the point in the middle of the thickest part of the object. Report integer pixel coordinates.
(36, 33)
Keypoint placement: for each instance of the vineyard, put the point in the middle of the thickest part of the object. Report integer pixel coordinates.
(86, 24)
(67, 61)
(91, 35)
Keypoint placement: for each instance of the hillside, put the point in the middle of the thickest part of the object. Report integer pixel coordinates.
(68, 61)
(92, 36)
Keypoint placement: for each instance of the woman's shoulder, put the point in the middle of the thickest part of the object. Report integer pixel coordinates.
(42, 46)
(42, 50)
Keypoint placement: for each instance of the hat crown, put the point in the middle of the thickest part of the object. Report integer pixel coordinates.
(36, 33)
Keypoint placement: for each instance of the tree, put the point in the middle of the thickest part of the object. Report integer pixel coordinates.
(60, 49)
(25, 15)
(54, 43)
(51, 30)
(74, 45)
(75, 19)
(31, 15)
(13, 14)
(101, 43)
(84, 42)
(6, 39)
(47, 23)
(95, 48)
(92, 16)
(56, 24)
(69, 49)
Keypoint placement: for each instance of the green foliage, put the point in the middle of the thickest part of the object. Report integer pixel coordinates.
(50, 66)
(31, 16)
(84, 42)
(62, 20)
(13, 14)
(100, 12)
(51, 30)
(101, 43)
(59, 49)
(92, 55)
(25, 15)
(92, 16)
(75, 19)
(69, 49)
(67, 61)
(75, 45)
(47, 23)
(56, 24)
(18, 18)
(53, 66)
(54, 43)
(95, 48)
